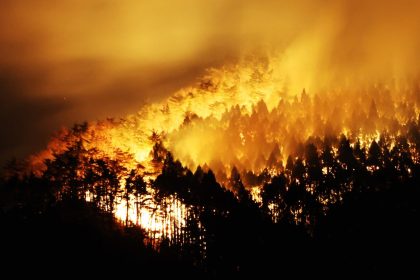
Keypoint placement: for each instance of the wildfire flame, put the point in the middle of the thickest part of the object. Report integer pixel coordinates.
(245, 116)
(268, 124)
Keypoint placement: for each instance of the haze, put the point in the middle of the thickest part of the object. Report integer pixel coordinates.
(81, 60)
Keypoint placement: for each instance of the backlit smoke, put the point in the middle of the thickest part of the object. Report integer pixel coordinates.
(291, 71)
(244, 116)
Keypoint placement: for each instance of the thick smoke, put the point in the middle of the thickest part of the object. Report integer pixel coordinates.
(320, 39)
(64, 57)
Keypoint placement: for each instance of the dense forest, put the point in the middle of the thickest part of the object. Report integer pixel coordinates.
(335, 207)
(210, 139)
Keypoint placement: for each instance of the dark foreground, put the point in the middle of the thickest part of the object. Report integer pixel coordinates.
(348, 211)
(373, 233)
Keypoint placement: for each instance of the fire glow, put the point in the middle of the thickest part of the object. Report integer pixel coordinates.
(233, 121)
(244, 116)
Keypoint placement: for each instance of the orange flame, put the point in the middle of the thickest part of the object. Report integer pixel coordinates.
(245, 116)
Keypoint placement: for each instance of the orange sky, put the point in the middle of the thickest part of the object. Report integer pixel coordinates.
(73, 60)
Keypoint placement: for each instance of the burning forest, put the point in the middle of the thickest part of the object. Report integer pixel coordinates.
(302, 151)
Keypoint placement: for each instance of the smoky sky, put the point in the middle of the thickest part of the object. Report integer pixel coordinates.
(74, 60)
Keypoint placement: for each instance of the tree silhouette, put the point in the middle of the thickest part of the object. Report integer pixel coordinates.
(313, 164)
(374, 156)
(274, 193)
(345, 154)
(213, 221)
(401, 156)
(134, 185)
(273, 159)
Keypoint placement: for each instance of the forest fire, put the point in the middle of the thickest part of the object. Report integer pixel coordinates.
(264, 135)
(242, 117)
(239, 124)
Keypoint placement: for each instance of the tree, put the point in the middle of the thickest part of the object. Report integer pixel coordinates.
(359, 153)
(66, 171)
(273, 159)
(235, 180)
(345, 154)
(111, 176)
(374, 156)
(158, 152)
(134, 185)
(313, 164)
(327, 157)
(298, 171)
(274, 192)
(401, 156)
(289, 165)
